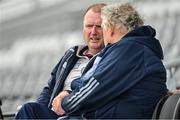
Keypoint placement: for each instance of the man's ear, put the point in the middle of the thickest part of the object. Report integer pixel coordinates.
(111, 30)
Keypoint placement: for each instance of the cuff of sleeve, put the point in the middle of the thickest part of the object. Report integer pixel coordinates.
(69, 91)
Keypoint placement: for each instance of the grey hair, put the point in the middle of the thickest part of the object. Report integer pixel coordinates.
(120, 16)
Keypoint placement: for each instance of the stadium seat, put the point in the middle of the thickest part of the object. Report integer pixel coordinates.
(168, 108)
(158, 107)
(1, 115)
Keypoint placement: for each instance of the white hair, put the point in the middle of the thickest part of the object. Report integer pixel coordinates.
(121, 16)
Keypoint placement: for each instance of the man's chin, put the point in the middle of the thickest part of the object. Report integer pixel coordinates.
(96, 47)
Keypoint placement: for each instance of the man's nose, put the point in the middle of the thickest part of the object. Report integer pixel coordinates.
(93, 30)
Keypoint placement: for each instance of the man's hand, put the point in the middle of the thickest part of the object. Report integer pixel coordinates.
(176, 91)
(56, 104)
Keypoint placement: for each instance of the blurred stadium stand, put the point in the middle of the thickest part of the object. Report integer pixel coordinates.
(35, 33)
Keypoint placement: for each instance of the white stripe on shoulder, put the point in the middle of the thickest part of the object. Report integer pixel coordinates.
(97, 60)
(71, 49)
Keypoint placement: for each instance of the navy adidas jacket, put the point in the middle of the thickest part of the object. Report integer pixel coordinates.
(59, 75)
(125, 80)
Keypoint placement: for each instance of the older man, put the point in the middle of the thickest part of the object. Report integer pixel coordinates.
(69, 68)
(127, 78)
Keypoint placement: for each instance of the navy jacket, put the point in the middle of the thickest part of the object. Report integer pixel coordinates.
(58, 75)
(125, 80)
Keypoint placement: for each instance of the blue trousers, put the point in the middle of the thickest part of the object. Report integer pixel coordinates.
(35, 111)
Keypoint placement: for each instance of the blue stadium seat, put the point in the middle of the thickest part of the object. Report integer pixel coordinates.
(168, 108)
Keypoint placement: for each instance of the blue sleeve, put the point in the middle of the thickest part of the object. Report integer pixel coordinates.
(113, 76)
(45, 95)
(47, 91)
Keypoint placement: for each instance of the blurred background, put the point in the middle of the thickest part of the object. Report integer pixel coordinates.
(34, 35)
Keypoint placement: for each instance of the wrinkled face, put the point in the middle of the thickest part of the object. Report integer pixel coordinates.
(92, 30)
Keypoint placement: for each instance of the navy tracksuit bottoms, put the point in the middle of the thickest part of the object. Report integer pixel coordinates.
(35, 111)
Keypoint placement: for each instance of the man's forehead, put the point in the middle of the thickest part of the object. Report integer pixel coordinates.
(92, 14)
(93, 17)
(93, 22)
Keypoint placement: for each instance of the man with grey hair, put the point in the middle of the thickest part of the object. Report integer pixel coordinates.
(127, 78)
